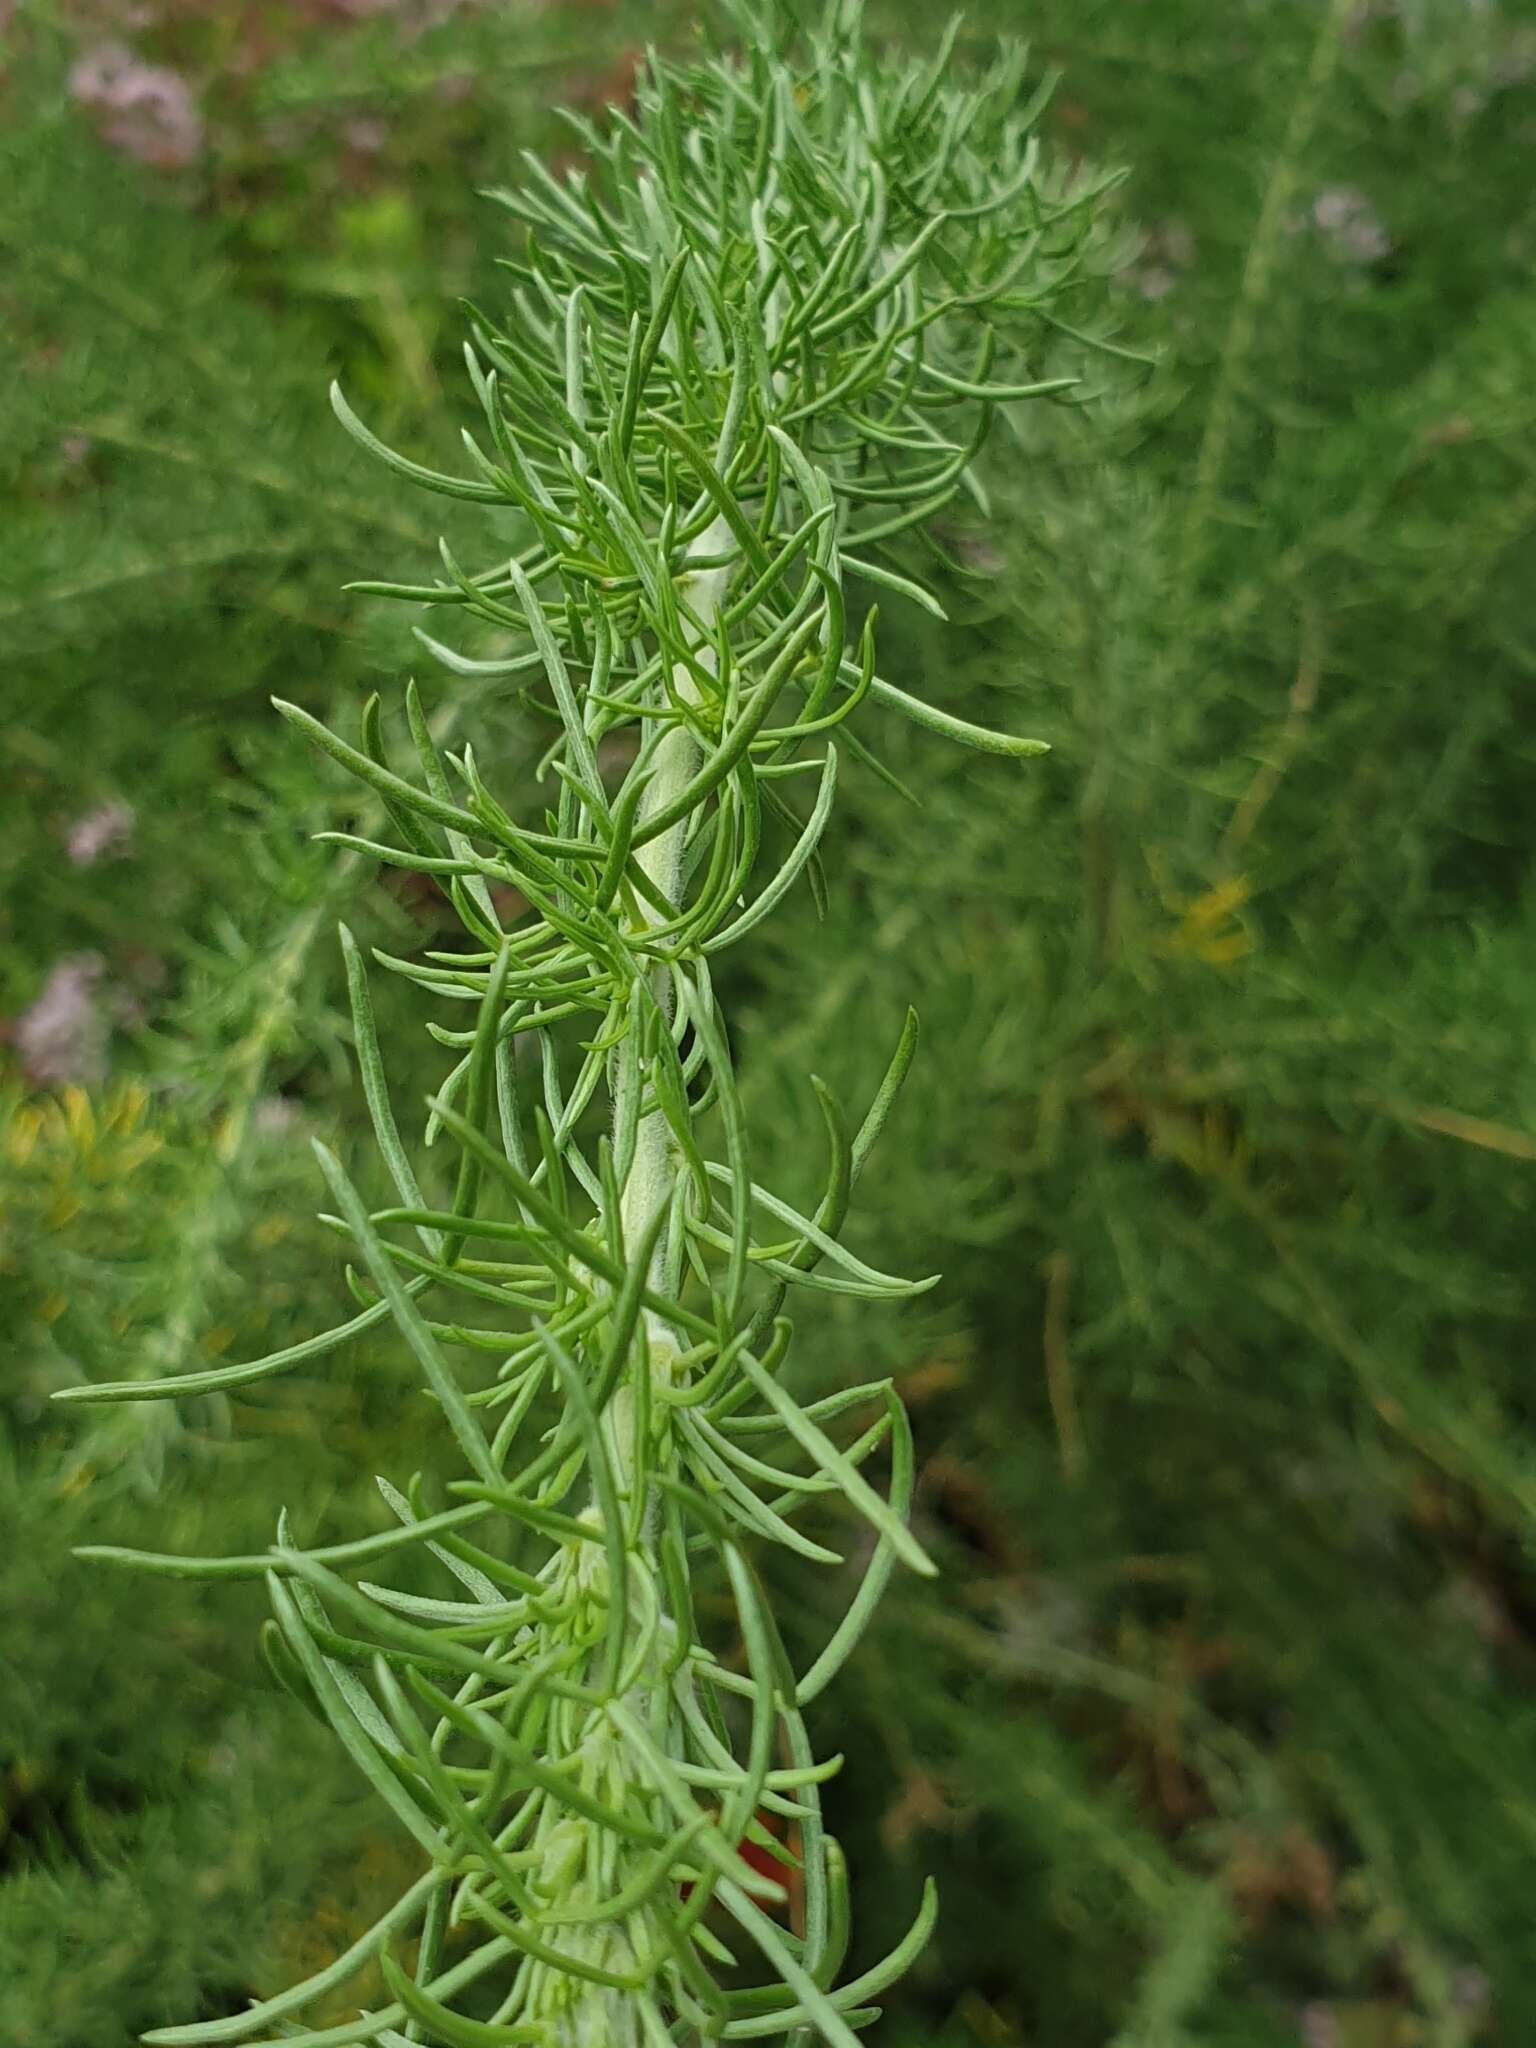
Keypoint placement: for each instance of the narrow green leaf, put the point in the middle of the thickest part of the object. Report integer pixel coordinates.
(354, 1740)
(408, 1318)
(370, 1068)
(220, 1379)
(268, 2012)
(853, 1483)
(429, 479)
(845, 1637)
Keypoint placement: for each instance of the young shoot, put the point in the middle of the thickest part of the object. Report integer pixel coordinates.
(750, 353)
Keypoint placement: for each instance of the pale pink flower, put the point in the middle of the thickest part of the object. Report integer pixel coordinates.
(144, 110)
(1345, 217)
(107, 829)
(62, 1036)
(1319, 2028)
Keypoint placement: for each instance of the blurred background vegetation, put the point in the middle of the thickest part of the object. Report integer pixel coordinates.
(1220, 1728)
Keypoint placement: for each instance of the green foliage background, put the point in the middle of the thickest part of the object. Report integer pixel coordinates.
(1220, 1728)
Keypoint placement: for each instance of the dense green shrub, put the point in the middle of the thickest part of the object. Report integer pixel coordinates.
(1218, 1725)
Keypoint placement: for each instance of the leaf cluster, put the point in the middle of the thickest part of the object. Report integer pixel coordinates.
(759, 342)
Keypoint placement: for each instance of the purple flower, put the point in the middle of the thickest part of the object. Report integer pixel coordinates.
(107, 829)
(144, 110)
(63, 1035)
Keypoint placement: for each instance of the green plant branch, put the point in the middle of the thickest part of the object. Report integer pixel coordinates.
(758, 340)
(1253, 288)
(215, 1200)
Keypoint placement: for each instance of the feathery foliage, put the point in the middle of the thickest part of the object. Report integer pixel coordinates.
(1215, 1727)
(759, 342)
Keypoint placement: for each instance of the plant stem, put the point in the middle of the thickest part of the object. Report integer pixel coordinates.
(599, 2017)
(648, 1185)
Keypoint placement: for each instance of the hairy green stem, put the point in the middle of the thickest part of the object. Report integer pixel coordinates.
(648, 1186)
(602, 2017)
